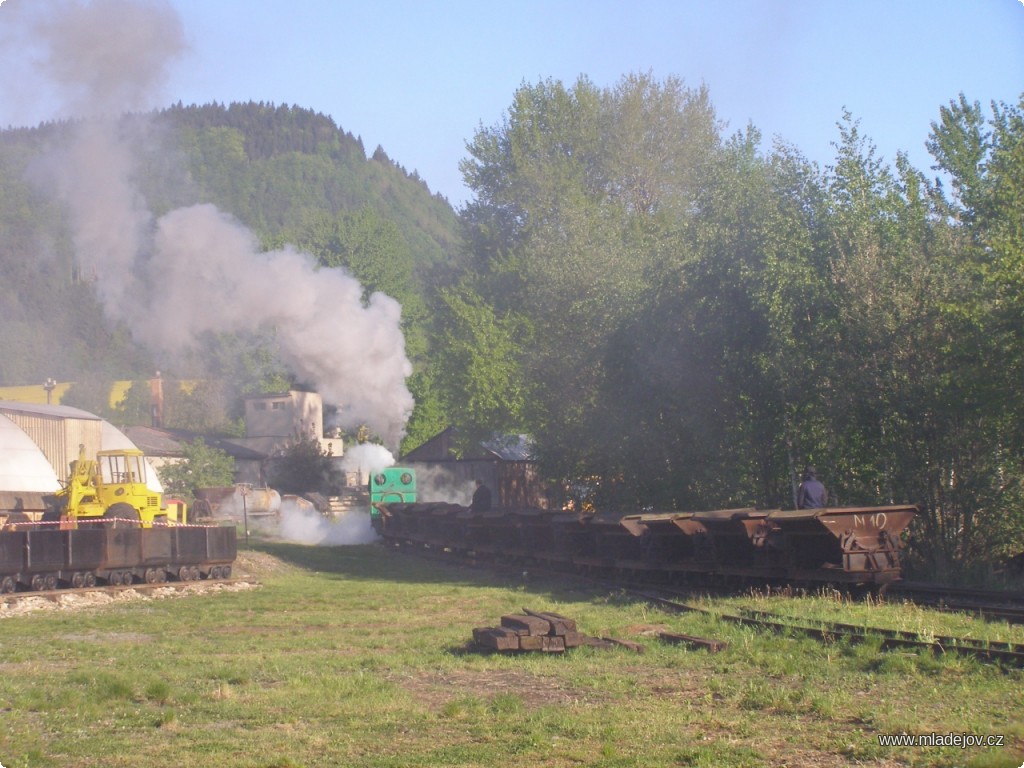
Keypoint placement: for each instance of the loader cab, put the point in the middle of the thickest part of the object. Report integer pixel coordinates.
(121, 467)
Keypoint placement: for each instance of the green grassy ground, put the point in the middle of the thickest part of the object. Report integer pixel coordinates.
(358, 656)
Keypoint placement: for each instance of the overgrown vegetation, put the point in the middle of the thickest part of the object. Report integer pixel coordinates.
(358, 656)
(705, 316)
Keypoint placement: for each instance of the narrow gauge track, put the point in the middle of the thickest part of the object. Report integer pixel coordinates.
(1010, 654)
(993, 605)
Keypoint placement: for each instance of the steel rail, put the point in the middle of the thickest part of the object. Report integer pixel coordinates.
(1007, 653)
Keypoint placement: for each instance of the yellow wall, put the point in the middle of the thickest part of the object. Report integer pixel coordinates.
(35, 393)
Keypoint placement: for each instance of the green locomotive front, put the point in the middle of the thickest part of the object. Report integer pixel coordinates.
(392, 485)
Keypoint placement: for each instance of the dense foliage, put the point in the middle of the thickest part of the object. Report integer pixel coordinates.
(705, 317)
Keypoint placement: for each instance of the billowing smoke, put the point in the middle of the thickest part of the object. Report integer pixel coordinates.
(302, 524)
(439, 484)
(353, 352)
(196, 269)
(366, 458)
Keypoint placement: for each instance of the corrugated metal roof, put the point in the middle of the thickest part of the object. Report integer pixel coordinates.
(41, 409)
(169, 442)
(510, 447)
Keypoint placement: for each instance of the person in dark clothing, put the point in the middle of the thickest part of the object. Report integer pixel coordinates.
(481, 498)
(811, 494)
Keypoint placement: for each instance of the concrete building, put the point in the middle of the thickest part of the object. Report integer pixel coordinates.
(273, 421)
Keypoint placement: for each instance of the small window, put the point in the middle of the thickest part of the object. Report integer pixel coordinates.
(278, 406)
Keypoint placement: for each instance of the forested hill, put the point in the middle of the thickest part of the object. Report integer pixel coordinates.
(277, 168)
(291, 175)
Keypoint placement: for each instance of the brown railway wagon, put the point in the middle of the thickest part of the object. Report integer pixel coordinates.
(853, 545)
(42, 556)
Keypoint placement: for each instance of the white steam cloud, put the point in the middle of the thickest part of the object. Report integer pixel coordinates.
(196, 269)
(304, 525)
(366, 458)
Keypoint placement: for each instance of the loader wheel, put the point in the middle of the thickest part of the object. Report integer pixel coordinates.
(123, 516)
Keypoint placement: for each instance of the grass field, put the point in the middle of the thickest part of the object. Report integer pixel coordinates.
(359, 656)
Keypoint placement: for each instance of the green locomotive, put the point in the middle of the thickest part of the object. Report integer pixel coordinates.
(394, 485)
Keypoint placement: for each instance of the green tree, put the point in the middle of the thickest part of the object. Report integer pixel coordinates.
(303, 466)
(202, 406)
(136, 407)
(575, 211)
(985, 161)
(202, 466)
(479, 372)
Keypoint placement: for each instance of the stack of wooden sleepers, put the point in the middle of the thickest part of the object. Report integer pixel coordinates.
(531, 631)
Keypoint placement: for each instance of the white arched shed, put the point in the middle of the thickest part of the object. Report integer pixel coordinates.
(38, 444)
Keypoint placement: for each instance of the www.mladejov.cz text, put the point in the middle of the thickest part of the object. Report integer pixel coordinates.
(962, 740)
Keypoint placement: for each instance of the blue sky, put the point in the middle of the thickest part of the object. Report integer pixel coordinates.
(419, 78)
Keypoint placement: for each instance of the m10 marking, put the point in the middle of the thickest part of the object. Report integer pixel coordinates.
(876, 521)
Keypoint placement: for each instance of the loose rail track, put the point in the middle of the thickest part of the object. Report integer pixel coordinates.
(993, 605)
(1007, 654)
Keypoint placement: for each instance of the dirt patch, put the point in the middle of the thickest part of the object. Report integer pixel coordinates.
(13, 605)
(258, 565)
(436, 689)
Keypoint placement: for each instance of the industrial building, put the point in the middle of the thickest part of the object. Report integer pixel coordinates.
(37, 445)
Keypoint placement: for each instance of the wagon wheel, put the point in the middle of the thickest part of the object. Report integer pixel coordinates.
(123, 515)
